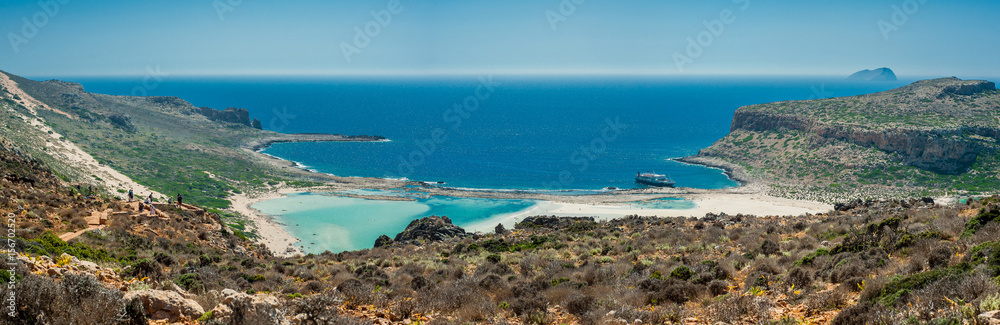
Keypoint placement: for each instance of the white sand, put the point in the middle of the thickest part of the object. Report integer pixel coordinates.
(269, 232)
(755, 204)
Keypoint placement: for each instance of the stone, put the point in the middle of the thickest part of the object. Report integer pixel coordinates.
(430, 229)
(253, 309)
(166, 305)
(500, 229)
(383, 241)
(991, 317)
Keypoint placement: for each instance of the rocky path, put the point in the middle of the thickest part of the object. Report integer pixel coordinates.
(94, 221)
(98, 219)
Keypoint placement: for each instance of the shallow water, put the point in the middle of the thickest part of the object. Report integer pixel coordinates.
(325, 222)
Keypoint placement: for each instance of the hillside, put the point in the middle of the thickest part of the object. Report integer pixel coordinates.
(933, 137)
(164, 143)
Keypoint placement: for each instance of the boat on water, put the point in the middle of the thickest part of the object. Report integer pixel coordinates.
(653, 179)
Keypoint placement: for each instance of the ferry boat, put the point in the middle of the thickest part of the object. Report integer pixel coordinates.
(653, 179)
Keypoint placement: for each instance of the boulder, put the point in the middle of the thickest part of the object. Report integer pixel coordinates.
(383, 241)
(166, 305)
(242, 308)
(551, 222)
(430, 229)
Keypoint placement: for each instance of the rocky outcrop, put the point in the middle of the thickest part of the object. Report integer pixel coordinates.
(949, 141)
(383, 241)
(880, 74)
(942, 150)
(230, 115)
(551, 222)
(123, 121)
(242, 308)
(967, 89)
(429, 229)
(166, 305)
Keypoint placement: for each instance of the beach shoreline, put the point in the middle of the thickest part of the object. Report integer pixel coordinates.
(748, 198)
(269, 231)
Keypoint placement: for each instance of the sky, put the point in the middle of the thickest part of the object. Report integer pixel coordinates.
(418, 37)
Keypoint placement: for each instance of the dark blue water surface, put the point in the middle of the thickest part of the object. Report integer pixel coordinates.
(518, 133)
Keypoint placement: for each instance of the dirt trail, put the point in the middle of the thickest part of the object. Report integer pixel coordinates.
(93, 222)
(69, 152)
(26, 100)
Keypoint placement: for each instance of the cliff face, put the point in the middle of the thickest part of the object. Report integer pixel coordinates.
(231, 115)
(950, 150)
(942, 150)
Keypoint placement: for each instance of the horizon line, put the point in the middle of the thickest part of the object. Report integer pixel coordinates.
(446, 73)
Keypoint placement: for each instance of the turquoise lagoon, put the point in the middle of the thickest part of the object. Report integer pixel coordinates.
(328, 222)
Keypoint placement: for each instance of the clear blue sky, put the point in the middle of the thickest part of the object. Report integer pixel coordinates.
(941, 38)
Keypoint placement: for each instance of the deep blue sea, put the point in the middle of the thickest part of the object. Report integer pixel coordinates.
(508, 132)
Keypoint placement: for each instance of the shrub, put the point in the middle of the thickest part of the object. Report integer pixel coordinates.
(717, 287)
(163, 259)
(190, 282)
(493, 258)
(892, 291)
(800, 278)
(733, 309)
(863, 313)
(678, 293)
(939, 257)
(579, 304)
(980, 220)
(145, 268)
(808, 259)
(681, 273)
(769, 247)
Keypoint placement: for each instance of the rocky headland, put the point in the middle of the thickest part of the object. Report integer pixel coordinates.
(931, 137)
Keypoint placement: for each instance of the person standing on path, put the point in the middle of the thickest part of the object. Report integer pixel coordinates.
(130, 195)
(180, 199)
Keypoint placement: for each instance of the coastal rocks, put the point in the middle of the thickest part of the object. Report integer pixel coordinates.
(940, 150)
(383, 241)
(166, 305)
(229, 115)
(429, 229)
(551, 222)
(242, 308)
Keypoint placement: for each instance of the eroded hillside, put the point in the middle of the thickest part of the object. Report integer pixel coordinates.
(933, 137)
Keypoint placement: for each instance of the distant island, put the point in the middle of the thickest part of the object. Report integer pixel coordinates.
(880, 74)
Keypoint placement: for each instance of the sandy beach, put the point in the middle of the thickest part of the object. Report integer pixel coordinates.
(269, 231)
